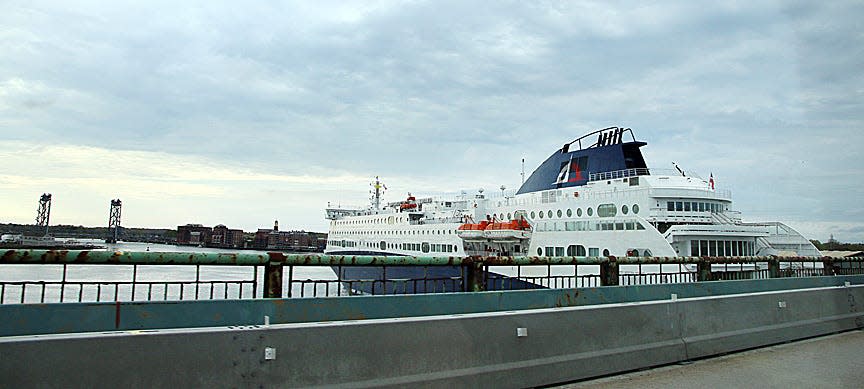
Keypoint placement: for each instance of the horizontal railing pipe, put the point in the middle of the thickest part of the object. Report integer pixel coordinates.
(277, 258)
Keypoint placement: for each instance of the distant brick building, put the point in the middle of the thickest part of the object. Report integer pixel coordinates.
(193, 235)
(273, 239)
(224, 237)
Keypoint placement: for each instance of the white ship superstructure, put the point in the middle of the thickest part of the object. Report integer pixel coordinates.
(600, 200)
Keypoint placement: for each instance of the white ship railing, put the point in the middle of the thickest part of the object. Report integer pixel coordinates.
(619, 174)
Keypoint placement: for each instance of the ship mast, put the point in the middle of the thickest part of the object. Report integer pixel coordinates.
(378, 190)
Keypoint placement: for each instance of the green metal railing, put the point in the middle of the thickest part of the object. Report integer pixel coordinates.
(474, 274)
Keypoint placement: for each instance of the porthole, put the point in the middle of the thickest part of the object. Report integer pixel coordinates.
(559, 213)
(636, 208)
(539, 251)
(590, 211)
(509, 216)
(579, 212)
(540, 214)
(624, 209)
(605, 252)
(569, 212)
(549, 213)
(532, 214)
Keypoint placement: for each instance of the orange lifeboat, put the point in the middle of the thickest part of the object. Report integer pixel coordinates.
(472, 230)
(408, 205)
(514, 229)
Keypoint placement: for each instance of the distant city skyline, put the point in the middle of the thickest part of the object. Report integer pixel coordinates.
(219, 113)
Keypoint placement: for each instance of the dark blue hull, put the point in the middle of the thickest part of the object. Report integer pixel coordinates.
(419, 279)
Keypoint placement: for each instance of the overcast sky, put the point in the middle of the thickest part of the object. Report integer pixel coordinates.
(216, 112)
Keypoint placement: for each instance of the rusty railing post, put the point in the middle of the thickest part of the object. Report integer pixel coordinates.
(609, 272)
(773, 267)
(703, 270)
(828, 266)
(273, 280)
(475, 275)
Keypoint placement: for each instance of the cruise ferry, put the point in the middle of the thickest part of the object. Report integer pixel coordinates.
(595, 196)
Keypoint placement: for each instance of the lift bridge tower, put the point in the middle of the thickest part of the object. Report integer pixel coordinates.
(43, 214)
(114, 222)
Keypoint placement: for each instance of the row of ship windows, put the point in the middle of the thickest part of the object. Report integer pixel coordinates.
(377, 220)
(721, 248)
(578, 250)
(688, 206)
(588, 226)
(603, 210)
(424, 247)
(398, 232)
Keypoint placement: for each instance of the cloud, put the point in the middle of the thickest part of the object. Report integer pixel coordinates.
(437, 96)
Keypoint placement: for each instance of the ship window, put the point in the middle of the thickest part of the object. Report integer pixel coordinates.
(571, 250)
(560, 213)
(539, 251)
(606, 210)
(639, 226)
(670, 205)
(570, 226)
(619, 226)
(569, 212)
(701, 207)
(559, 251)
(686, 206)
(635, 208)
(590, 211)
(605, 252)
(712, 248)
(593, 252)
(540, 214)
(383, 245)
(580, 250)
(509, 216)
(624, 209)
(646, 253)
(532, 214)
(550, 251)
(579, 212)
(679, 206)
(549, 214)
(694, 248)
(424, 247)
(629, 226)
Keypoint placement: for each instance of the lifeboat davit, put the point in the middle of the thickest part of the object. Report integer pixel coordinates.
(508, 231)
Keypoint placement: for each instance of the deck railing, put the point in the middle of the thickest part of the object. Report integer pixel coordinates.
(43, 276)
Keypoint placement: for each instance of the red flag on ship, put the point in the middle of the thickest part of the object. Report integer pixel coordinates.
(711, 181)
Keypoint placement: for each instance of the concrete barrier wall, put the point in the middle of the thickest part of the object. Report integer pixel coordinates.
(32, 319)
(466, 350)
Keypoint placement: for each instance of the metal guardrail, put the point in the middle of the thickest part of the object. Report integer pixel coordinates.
(249, 281)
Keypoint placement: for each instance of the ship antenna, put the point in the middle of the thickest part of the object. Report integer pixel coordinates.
(523, 171)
